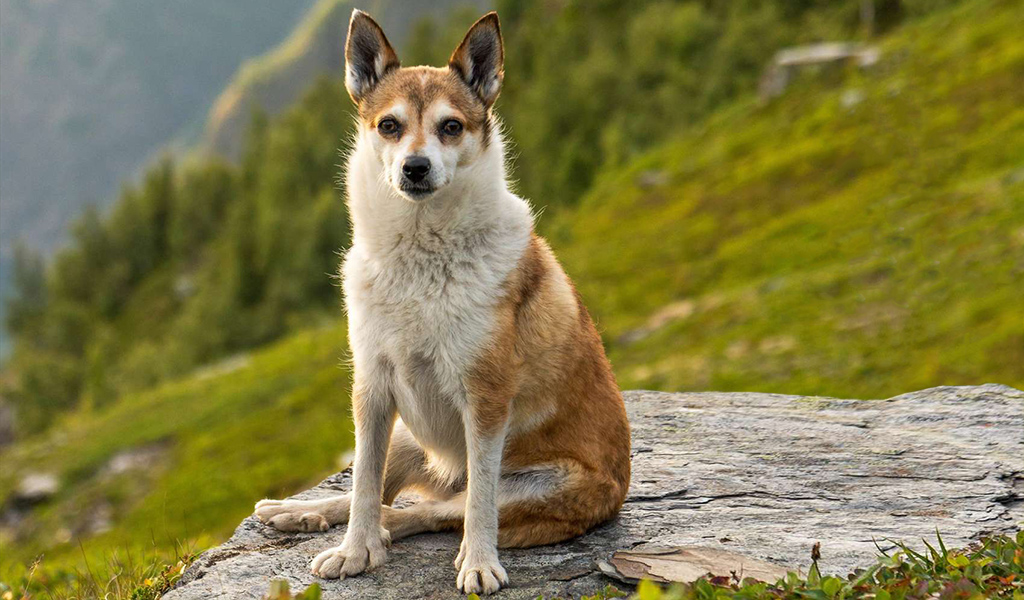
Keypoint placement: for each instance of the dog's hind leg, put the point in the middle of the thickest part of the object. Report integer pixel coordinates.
(406, 466)
(304, 515)
(539, 505)
(426, 516)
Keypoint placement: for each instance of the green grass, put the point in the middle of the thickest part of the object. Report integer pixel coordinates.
(121, 576)
(252, 427)
(860, 250)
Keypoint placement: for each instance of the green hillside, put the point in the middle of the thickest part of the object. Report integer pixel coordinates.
(183, 463)
(861, 236)
(815, 247)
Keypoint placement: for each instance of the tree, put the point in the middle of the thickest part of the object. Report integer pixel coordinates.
(27, 304)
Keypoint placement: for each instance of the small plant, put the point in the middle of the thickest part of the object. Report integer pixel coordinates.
(279, 590)
(155, 587)
(152, 588)
(607, 593)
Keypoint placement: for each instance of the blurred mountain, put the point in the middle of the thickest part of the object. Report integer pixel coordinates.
(90, 90)
(277, 79)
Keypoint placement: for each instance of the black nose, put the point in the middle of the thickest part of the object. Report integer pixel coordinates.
(416, 168)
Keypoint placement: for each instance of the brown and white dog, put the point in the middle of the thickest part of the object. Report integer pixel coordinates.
(480, 381)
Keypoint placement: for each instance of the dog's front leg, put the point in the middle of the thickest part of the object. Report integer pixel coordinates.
(366, 541)
(486, 423)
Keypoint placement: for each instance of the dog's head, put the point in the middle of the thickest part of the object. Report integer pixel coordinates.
(424, 123)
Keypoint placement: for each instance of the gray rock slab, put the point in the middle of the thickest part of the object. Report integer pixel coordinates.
(762, 475)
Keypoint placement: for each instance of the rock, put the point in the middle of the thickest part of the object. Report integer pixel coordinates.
(141, 458)
(759, 477)
(35, 488)
(688, 563)
(851, 97)
(670, 313)
(789, 61)
(652, 178)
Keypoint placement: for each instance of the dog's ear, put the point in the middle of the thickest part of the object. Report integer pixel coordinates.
(368, 56)
(479, 59)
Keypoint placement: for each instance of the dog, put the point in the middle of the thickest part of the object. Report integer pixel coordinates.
(480, 381)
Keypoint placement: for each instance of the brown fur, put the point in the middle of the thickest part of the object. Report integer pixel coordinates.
(421, 87)
(547, 357)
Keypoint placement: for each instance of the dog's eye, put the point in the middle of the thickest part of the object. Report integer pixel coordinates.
(387, 126)
(451, 127)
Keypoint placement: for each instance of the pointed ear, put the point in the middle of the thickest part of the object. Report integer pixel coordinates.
(479, 60)
(368, 56)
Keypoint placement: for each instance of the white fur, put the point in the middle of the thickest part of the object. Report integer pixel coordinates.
(478, 556)
(445, 159)
(422, 279)
(353, 81)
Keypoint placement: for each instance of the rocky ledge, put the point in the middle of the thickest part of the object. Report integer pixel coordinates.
(747, 480)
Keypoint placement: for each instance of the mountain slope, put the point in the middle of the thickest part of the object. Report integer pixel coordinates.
(91, 91)
(182, 462)
(856, 241)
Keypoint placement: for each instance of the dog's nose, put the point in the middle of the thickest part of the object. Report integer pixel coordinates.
(416, 168)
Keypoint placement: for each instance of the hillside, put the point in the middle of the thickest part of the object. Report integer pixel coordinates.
(861, 236)
(179, 463)
(856, 240)
(93, 91)
(205, 257)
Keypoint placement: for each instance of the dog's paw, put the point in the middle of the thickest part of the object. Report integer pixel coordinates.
(291, 515)
(356, 554)
(479, 575)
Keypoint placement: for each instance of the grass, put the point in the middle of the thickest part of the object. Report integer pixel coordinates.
(125, 577)
(252, 427)
(279, 590)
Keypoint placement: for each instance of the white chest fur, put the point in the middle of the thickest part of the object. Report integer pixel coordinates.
(421, 285)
